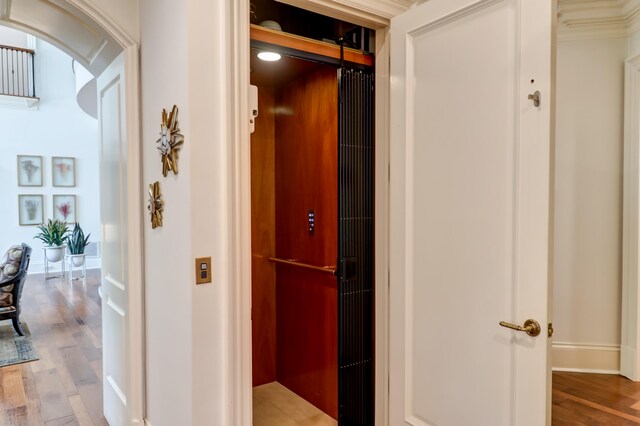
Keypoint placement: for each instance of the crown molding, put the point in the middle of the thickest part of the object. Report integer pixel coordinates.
(589, 19)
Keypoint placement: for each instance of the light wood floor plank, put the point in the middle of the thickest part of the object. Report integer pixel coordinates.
(45, 362)
(64, 387)
(63, 371)
(82, 415)
(53, 398)
(31, 393)
(14, 390)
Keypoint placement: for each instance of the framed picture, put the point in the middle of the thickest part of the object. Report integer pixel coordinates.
(29, 170)
(63, 171)
(30, 209)
(64, 208)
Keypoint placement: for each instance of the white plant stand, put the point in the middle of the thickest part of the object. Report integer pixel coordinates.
(73, 260)
(47, 275)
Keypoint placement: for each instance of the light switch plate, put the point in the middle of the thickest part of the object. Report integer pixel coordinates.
(203, 270)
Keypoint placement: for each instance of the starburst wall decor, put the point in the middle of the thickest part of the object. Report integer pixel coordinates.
(156, 205)
(170, 141)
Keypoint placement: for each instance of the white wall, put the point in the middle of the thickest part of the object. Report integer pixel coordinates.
(588, 203)
(56, 128)
(634, 44)
(187, 337)
(167, 249)
(14, 38)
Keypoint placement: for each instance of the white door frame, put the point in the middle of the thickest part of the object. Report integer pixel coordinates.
(135, 212)
(375, 15)
(630, 324)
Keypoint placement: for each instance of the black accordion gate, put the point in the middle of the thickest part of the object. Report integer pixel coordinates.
(355, 248)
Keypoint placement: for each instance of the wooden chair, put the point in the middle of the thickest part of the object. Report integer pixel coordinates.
(13, 311)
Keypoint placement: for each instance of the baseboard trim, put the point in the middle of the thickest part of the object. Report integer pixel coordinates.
(584, 370)
(586, 358)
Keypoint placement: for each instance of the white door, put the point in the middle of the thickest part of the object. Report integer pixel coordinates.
(470, 176)
(113, 207)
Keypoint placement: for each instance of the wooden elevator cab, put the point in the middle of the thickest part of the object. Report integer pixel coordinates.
(295, 199)
(294, 153)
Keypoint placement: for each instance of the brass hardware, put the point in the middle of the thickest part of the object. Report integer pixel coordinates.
(550, 330)
(294, 262)
(156, 205)
(171, 140)
(531, 327)
(203, 270)
(535, 97)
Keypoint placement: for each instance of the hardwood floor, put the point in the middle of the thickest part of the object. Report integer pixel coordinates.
(64, 387)
(595, 399)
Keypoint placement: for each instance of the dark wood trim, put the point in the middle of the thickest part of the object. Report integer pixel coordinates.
(263, 240)
(291, 41)
(19, 49)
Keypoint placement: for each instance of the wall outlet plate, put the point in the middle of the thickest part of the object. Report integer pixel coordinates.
(203, 270)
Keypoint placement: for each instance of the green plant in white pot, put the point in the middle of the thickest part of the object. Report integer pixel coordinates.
(77, 243)
(54, 236)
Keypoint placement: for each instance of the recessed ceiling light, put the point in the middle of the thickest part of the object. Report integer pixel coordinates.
(269, 56)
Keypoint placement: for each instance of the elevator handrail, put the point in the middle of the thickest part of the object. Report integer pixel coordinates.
(294, 262)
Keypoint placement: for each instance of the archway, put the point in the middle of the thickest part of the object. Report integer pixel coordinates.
(93, 39)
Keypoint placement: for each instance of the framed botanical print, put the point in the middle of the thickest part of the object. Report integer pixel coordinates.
(64, 208)
(29, 170)
(63, 171)
(30, 209)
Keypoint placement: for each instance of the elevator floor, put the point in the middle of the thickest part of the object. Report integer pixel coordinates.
(275, 405)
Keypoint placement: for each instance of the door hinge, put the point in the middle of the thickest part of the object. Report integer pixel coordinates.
(550, 330)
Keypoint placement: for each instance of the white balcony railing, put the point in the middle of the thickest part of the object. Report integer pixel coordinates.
(17, 72)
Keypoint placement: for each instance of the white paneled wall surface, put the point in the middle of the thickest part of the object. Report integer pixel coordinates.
(588, 204)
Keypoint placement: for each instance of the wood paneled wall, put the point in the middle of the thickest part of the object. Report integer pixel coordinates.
(263, 240)
(294, 168)
(306, 179)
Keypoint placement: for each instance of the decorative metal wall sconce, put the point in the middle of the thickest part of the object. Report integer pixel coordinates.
(156, 205)
(170, 141)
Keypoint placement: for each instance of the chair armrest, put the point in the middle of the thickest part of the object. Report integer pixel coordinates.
(13, 280)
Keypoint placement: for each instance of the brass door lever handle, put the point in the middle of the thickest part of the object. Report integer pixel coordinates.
(531, 327)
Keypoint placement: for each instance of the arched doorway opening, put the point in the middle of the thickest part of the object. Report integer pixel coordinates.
(111, 54)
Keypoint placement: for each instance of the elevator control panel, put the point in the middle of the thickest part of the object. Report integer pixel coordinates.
(253, 107)
(312, 222)
(203, 270)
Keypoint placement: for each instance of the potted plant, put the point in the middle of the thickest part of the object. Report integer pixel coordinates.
(77, 243)
(54, 235)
